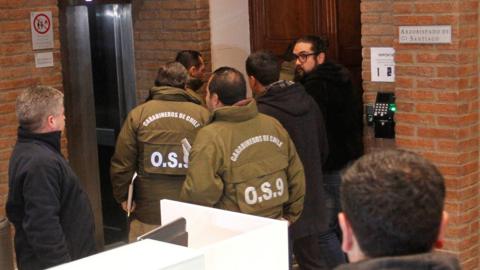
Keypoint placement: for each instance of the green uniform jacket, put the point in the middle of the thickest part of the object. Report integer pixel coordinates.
(197, 96)
(149, 144)
(245, 161)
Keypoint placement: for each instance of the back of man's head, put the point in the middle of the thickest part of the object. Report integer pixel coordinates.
(172, 74)
(319, 44)
(229, 85)
(35, 104)
(264, 67)
(393, 201)
(189, 58)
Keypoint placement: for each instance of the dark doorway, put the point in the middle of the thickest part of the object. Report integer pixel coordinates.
(275, 23)
(98, 64)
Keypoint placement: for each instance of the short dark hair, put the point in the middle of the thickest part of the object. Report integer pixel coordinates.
(288, 53)
(172, 74)
(393, 200)
(229, 84)
(189, 58)
(319, 44)
(264, 67)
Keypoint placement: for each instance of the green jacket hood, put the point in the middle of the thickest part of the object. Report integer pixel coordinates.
(238, 112)
(169, 93)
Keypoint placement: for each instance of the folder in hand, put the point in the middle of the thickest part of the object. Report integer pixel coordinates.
(186, 147)
(130, 194)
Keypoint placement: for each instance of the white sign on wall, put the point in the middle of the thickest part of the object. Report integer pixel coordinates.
(431, 34)
(44, 59)
(42, 30)
(382, 64)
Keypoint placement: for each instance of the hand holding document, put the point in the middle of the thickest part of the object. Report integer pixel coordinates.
(130, 203)
(186, 150)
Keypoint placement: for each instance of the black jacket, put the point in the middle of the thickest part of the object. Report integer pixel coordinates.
(341, 104)
(51, 213)
(425, 261)
(302, 118)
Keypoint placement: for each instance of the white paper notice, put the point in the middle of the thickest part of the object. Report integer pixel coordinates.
(42, 30)
(44, 59)
(382, 64)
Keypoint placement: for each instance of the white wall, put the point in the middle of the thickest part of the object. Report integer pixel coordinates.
(230, 33)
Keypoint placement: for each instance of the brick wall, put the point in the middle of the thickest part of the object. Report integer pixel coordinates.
(437, 101)
(162, 28)
(18, 72)
(377, 31)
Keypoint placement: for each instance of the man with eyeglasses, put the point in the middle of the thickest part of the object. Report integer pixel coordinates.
(331, 87)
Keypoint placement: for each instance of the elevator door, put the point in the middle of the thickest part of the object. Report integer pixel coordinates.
(100, 88)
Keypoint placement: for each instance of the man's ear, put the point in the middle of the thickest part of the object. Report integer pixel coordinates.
(347, 233)
(252, 82)
(441, 231)
(51, 121)
(320, 58)
(192, 70)
(215, 100)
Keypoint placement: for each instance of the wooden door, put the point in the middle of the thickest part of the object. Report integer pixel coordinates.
(275, 23)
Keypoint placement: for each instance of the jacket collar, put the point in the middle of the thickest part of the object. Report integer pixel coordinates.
(241, 111)
(51, 139)
(431, 260)
(169, 93)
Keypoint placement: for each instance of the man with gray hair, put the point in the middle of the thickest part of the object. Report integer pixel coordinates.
(51, 213)
(150, 145)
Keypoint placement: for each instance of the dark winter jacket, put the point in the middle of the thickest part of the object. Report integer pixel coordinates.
(425, 261)
(341, 104)
(51, 213)
(301, 117)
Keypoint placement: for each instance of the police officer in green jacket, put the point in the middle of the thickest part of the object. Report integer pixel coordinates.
(150, 144)
(243, 161)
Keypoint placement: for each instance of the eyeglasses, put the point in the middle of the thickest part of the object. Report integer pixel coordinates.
(302, 57)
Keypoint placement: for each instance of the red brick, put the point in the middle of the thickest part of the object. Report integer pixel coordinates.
(413, 20)
(447, 7)
(457, 231)
(440, 133)
(375, 6)
(404, 82)
(404, 57)
(405, 106)
(14, 26)
(446, 19)
(371, 18)
(175, 5)
(406, 130)
(11, 61)
(415, 143)
(436, 58)
(420, 71)
(375, 41)
(466, 58)
(455, 121)
(450, 170)
(436, 108)
(468, 6)
(377, 30)
(437, 83)
(447, 71)
(399, 8)
(415, 118)
(468, 18)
